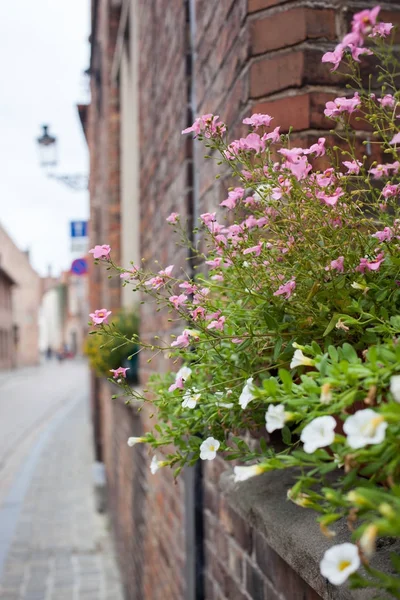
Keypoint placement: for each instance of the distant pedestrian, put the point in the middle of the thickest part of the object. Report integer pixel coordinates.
(49, 353)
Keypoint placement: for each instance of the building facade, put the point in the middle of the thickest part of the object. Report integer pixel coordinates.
(155, 66)
(64, 314)
(25, 299)
(7, 340)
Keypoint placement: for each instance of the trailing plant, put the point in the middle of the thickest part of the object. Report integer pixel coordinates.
(107, 354)
(295, 326)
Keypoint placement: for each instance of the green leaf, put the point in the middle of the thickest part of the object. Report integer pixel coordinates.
(271, 322)
(277, 348)
(333, 353)
(331, 324)
(395, 558)
(286, 435)
(263, 445)
(286, 379)
(349, 353)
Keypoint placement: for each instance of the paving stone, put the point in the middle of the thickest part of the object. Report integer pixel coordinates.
(62, 548)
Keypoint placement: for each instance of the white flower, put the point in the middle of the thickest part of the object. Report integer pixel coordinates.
(208, 448)
(365, 427)
(326, 394)
(247, 393)
(368, 540)
(184, 373)
(132, 441)
(156, 464)
(243, 473)
(301, 499)
(319, 433)
(395, 387)
(191, 398)
(263, 192)
(275, 417)
(299, 359)
(339, 562)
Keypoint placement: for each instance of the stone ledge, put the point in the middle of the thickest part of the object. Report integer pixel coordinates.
(292, 532)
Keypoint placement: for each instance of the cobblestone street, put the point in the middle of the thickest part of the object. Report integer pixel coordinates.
(53, 544)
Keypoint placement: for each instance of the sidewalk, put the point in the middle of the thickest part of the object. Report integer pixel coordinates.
(61, 549)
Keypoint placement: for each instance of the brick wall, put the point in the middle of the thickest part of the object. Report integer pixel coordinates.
(249, 56)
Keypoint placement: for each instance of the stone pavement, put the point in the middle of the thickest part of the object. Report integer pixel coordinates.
(61, 548)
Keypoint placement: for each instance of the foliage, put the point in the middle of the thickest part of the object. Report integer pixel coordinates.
(105, 352)
(295, 328)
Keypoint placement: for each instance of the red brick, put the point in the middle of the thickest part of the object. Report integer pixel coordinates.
(255, 5)
(278, 73)
(291, 27)
(299, 111)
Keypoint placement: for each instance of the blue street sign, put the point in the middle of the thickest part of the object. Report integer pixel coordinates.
(78, 229)
(79, 266)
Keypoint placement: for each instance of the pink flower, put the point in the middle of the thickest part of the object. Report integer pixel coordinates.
(393, 167)
(215, 263)
(258, 120)
(371, 265)
(237, 340)
(381, 29)
(354, 38)
(395, 139)
(178, 301)
(177, 385)
(337, 265)
(101, 251)
(182, 341)
(160, 279)
(299, 169)
(353, 167)
(379, 171)
(254, 249)
(340, 105)
(252, 142)
(326, 178)
(173, 218)
(387, 100)
(201, 295)
(100, 316)
(331, 199)
(198, 312)
(208, 125)
(364, 21)
(286, 289)
(334, 57)
(274, 135)
(292, 155)
(167, 271)
(318, 149)
(233, 197)
(120, 372)
(357, 52)
(218, 324)
(208, 218)
(189, 288)
(130, 274)
(390, 190)
(385, 235)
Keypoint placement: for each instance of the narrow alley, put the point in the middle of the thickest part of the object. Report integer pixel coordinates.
(53, 543)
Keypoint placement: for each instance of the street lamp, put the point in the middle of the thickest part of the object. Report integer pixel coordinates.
(48, 158)
(47, 148)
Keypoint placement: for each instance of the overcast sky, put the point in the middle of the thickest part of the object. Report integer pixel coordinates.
(43, 52)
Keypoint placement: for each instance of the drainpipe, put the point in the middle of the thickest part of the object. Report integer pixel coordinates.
(194, 506)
